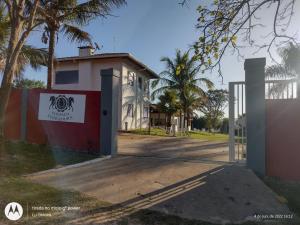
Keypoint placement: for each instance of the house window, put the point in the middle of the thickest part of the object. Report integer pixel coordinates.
(140, 83)
(130, 110)
(146, 112)
(146, 86)
(67, 77)
(130, 78)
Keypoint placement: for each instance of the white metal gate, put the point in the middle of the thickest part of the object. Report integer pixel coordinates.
(274, 90)
(237, 122)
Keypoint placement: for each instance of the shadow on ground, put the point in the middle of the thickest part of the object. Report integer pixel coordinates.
(176, 176)
(226, 194)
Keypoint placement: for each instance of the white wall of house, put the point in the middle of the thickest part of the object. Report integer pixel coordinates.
(137, 97)
(90, 79)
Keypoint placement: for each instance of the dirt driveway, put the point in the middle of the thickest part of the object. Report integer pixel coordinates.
(173, 147)
(144, 175)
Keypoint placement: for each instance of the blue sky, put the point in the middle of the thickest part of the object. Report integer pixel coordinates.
(149, 30)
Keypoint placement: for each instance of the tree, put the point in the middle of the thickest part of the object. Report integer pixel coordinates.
(67, 16)
(22, 18)
(28, 54)
(199, 122)
(26, 15)
(191, 102)
(224, 126)
(28, 84)
(182, 76)
(168, 104)
(213, 106)
(287, 69)
(221, 23)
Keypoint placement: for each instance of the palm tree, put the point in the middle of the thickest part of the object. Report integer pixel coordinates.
(66, 17)
(168, 104)
(288, 69)
(28, 55)
(182, 76)
(192, 102)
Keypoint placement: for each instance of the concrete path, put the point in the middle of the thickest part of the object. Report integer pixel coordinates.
(173, 147)
(216, 192)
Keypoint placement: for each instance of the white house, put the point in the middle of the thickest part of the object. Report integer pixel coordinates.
(82, 72)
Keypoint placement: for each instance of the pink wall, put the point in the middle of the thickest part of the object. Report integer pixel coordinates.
(283, 138)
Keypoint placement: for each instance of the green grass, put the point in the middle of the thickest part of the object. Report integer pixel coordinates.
(288, 190)
(192, 134)
(17, 159)
(208, 136)
(20, 158)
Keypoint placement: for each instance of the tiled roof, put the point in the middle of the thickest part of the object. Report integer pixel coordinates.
(108, 56)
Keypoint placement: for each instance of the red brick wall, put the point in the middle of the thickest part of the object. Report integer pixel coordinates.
(77, 136)
(283, 138)
(12, 122)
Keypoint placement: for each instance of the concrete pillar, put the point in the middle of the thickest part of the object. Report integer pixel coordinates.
(109, 111)
(255, 114)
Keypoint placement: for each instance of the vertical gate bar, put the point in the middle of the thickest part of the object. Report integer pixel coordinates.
(242, 120)
(231, 123)
(238, 114)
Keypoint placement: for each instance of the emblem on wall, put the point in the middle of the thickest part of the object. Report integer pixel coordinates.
(62, 107)
(61, 103)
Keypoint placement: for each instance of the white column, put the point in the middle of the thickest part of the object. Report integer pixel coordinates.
(231, 123)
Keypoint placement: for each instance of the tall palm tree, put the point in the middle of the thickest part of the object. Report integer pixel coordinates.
(67, 16)
(181, 75)
(29, 55)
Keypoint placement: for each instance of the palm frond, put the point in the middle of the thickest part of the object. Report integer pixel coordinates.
(86, 11)
(35, 57)
(75, 34)
(207, 82)
(279, 72)
(159, 91)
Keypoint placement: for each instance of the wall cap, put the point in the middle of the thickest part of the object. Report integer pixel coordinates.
(254, 62)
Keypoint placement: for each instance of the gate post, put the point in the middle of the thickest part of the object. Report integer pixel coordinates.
(298, 87)
(255, 114)
(231, 123)
(109, 111)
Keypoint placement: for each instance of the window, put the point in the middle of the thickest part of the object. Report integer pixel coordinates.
(67, 77)
(146, 86)
(130, 110)
(146, 112)
(140, 83)
(130, 78)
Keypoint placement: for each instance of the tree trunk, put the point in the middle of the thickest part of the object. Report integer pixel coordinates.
(51, 48)
(10, 65)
